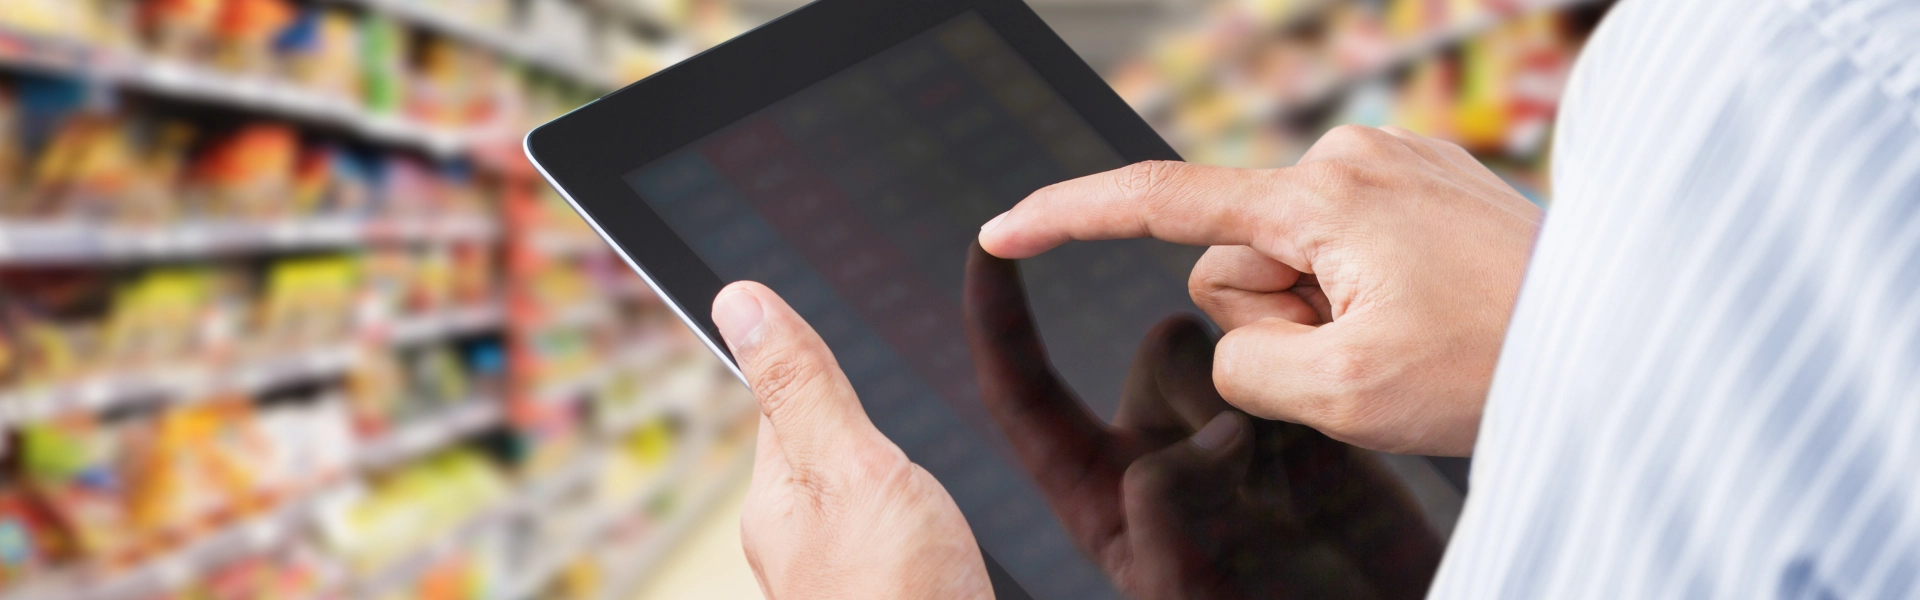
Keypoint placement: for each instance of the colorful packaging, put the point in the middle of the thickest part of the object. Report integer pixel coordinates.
(249, 173)
(308, 301)
(75, 466)
(158, 318)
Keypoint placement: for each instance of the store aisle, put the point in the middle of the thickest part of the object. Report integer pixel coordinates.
(709, 563)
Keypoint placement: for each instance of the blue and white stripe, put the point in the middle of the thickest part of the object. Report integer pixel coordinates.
(1711, 385)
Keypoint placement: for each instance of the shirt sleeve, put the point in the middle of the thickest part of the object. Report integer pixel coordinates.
(1711, 383)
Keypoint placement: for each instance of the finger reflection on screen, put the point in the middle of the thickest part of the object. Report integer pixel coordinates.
(1249, 509)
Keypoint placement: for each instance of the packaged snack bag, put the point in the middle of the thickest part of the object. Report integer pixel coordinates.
(54, 321)
(308, 301)
(179, 28)
(152, 196)
(29, 543)
(158, 318)
(374, 390)
(75, 466)
(204, 466)
(322, 51)
(249, 173)
(245, 32)
(383, 55)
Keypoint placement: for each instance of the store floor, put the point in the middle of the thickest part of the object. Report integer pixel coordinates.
(709, 563)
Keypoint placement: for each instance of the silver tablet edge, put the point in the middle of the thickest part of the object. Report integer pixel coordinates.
(526, 147)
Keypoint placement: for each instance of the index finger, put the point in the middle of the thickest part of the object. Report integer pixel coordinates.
(1172, 201)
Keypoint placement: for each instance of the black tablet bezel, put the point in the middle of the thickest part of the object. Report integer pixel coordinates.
(584, 153)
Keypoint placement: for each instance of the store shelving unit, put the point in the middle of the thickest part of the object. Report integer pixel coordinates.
(585, 69)
(110, 68)
(561, 429)
(1212, 84)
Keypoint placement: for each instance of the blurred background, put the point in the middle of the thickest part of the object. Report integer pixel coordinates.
(284, 313)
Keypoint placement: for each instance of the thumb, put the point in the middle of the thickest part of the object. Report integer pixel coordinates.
(813, 410)
(1281, 370)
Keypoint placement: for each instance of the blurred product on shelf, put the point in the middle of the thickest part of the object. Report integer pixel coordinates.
(1255, 82)
(141, 169)
(63, 326)
(285, 315)
(380, 524)
(122, 489)
(443, 75)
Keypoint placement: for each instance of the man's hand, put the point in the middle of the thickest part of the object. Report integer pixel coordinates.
(1182, 497)
(835, 509)
(1365, 291)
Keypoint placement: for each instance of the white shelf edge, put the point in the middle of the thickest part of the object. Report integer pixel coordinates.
(411, 441)
(187, 383)
(47, 242)
(650, 553)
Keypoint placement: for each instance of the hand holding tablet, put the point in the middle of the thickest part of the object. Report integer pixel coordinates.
(844, 156)
(1180, 498)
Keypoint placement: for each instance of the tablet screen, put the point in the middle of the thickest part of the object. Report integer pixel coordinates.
(857, 199)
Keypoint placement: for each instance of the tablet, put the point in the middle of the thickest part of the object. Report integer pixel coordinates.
(845, 155)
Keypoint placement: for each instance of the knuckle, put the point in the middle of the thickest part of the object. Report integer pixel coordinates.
(886, 468)
(1145, 182)
(1345, 379)
(1357, 137)
(1204, 295)
(1208, 278)
(782, 379)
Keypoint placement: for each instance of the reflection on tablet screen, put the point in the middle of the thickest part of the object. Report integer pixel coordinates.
(857, 200)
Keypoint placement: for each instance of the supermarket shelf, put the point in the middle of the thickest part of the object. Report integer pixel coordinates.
(175, 79)
(526, 499)
(1306, 12)
(74, 242)
(675, 393)
(248, 537)
(638, 354)
(637, 414)
(593, 530)
(590, 312)
(1405, 54)
(633, 568)
(193, 82)
(444, 324)
(632, 12)
(414, 440)
(504, 42)
(549, 243)
(195, 381)
(174, 381)
(1421, 48)
(37, 53)
(259, 534)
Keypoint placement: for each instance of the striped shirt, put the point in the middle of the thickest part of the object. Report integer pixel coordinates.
(1711, 384)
